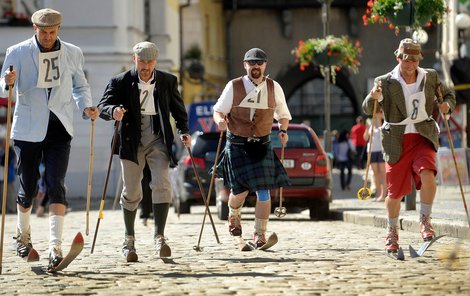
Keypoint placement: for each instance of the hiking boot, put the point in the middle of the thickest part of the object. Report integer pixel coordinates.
(128, 249)
(391, 242)
(55, 257)
(259, 239)
(161, 247)
(234, 225)
(427, 232)
(23, 243)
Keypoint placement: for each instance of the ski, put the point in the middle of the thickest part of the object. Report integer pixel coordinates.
(32, 256)
(423, 248)
(75, 249)
(272, 240)
(398, 255)
(243, 246)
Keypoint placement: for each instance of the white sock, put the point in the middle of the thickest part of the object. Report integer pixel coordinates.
(235, 212)
(392, 222)
(425, 209)
(261, 225)
(23, 220)
(56, 226)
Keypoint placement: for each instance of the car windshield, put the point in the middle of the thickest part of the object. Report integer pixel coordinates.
(297, 139)
(206, 143)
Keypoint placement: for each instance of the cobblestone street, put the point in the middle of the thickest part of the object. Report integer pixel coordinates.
(311, 258)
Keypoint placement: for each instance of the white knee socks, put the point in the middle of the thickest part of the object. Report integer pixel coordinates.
(56, 226)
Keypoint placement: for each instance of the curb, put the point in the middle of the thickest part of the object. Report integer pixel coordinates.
(447, 227)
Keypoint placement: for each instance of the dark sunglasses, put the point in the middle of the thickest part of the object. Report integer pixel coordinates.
(252, 63)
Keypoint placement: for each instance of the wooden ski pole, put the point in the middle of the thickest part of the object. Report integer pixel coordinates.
(365, 192)
(5, 169)
(90, 178)
(208, 196)
(451, 144)
(281, 211)
(103, 197)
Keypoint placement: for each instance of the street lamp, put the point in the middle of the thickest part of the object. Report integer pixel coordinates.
(326, 31)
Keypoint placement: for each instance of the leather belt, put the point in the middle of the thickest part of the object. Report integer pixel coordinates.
(241, 140)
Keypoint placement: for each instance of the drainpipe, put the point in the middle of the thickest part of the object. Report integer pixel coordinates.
(228, 31)
(180, 9)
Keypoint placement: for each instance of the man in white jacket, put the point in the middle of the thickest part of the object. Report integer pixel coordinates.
(47, 78)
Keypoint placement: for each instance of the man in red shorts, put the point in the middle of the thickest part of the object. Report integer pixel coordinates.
(409, 135)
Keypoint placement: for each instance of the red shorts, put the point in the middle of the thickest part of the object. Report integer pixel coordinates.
(418, 154)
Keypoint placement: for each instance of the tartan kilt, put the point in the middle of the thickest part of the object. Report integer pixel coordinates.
(241, 173)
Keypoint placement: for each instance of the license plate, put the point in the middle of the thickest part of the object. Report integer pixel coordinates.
(288, 163)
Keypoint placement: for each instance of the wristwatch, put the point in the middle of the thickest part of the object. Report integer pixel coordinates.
(283, 131)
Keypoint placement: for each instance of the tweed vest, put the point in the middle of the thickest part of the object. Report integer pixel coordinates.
(239, 122)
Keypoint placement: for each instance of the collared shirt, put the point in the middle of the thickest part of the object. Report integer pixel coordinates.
(225, 102)
(408, 90)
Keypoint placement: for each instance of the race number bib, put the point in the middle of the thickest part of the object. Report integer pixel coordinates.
(257, 98)
(147, 104)
(49, 71)
(416, 109)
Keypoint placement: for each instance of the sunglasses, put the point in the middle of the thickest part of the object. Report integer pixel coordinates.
(252, 63)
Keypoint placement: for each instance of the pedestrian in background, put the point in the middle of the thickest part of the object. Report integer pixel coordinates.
(48, 77)
(357, 139)
(377, 162)
(246, 108)
(344, 159)
(410, 134)
(142, 100)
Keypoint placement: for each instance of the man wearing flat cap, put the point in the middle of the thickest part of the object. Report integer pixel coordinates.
(407, 96)
(47, 78)
(246, 109)
(142, 100)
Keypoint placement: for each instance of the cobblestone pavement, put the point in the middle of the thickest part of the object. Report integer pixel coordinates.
(311, 258)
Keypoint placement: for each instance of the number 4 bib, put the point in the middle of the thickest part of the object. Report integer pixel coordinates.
(49, 69)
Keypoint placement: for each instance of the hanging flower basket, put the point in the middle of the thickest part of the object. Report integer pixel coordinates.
(333, 52)
(405, 13)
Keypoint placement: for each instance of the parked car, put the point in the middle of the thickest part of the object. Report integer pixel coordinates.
(186, 190)
(309, 171)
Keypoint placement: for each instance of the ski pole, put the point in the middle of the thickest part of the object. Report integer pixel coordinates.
(281, 211)
(103, 197)
(208, 198)
(5, 168)
(365, 192)
(451, 144)
(90, 177)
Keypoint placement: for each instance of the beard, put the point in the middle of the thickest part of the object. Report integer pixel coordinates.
(255, 73)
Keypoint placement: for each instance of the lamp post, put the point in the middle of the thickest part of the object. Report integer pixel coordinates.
(326, 31)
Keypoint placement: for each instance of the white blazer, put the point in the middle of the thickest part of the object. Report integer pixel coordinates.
(32, 108)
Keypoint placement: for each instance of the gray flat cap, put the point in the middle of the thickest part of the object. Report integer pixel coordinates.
(146, 51)
(46, 18)
(255, 54)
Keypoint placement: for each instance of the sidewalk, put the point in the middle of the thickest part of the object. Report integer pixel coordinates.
(448, 215)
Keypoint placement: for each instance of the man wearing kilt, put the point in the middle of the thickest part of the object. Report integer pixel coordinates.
(246, 108)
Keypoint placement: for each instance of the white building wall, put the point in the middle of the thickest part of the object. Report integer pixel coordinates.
(106, 31)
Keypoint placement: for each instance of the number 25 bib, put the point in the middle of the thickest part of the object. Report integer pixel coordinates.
(49, 69)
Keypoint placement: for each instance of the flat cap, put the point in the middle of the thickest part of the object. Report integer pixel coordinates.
(409, 50)
(46, 18)
(146, 51)
(255, 54)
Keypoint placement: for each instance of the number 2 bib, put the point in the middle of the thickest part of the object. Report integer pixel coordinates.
(147, 104)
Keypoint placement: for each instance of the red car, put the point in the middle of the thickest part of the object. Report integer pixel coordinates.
(309, 170)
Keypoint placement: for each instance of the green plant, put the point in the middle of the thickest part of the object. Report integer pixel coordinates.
(332, 51)
(424, 12)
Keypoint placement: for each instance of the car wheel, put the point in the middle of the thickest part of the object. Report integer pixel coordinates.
(320, 210)
(222, 210)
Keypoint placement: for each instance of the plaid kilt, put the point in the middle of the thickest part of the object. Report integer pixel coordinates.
(241, 173)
